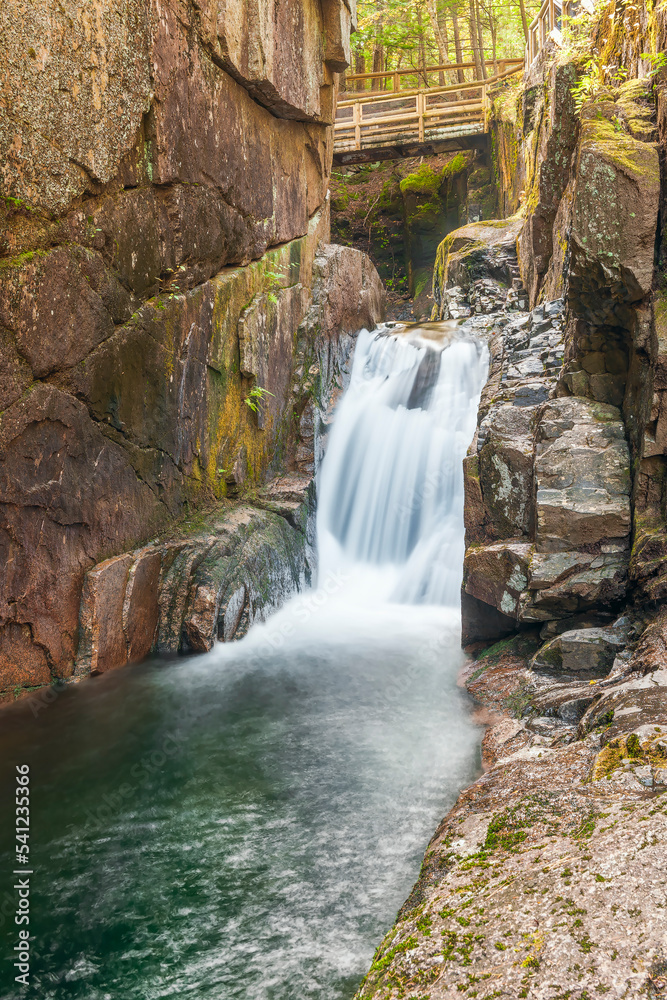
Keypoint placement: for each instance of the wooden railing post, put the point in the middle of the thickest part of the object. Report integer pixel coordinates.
(397, 81)
(420, 113)
(356, 118)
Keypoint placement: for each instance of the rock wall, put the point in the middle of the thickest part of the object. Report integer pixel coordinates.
(539, 883)
(564, 488)
(164, 172)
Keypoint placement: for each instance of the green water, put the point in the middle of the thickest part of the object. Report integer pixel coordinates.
(240, 825)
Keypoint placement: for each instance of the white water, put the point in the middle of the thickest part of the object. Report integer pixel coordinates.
(308, 764)
(391, 485)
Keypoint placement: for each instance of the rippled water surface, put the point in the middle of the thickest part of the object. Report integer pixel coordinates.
(244, 824)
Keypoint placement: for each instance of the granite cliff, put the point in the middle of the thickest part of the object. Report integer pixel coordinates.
(170, 317)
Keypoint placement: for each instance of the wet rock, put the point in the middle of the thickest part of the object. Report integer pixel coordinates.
(185, 593)
(477, 251)
(103, 644)
(164, 417)
(585, 621)
(627, 703)
(498, 574)
(145, 154)
(140, 607)
(650, 653)
(481, 621)
(590, 650)
(550, 856)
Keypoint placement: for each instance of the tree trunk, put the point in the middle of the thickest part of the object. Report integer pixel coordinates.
(440, 39)
(524, 19)
(360, 67)
(474, 40)
(480, 37)
(493, 28)
(457, 43)
(378, 56)
(422, 47)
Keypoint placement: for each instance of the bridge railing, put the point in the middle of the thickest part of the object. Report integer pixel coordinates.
(549, 21)
(393, 81)
(381, 117)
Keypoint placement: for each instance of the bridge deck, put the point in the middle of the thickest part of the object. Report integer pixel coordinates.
(387, 125)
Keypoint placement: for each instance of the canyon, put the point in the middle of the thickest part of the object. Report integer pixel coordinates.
(177, 331)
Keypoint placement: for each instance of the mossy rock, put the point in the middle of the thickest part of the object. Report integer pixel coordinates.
(424, 181)
(624, 749)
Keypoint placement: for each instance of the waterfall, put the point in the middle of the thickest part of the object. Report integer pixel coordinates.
(390, 509)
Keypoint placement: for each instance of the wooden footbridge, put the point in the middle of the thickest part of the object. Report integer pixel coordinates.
(390, 124)
(427, 117)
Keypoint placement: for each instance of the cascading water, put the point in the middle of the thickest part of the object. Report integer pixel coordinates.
(244, 825)
(391, 485)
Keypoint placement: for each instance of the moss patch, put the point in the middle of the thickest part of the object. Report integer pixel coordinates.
(627, 749)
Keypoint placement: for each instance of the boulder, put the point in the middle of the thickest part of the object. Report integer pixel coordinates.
(476, 251)
(506, 469)
(210, 583)
(587, 650)
(565, 583)
(497, 574)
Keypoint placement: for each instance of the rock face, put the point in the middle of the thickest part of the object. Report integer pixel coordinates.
(550, 496)
(185, 592)
(585, 650)
(398, 212)
(151, 160)
(547, 485)
(546, 878)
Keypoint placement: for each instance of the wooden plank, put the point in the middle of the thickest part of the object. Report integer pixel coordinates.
(443, 114)
(411, 71)
(405, 136)
(458, 104)
(380, 97)
(357, 125)
(431, 147)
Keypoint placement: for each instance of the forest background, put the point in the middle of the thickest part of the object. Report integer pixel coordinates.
(412, 34)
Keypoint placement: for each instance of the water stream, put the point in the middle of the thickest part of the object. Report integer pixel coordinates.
(246, 824)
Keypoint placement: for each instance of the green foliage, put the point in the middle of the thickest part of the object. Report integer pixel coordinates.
(657, 60)
(425, 180)
(389, 956)
(455, 165)
(589, 84)
(504, 830)
(256, 396)
(409, 34)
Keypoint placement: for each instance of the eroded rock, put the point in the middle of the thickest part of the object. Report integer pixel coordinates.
(588, 650)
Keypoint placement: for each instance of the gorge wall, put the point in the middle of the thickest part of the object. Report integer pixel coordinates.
(565, 482)
(170, 317)
(546, 879)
